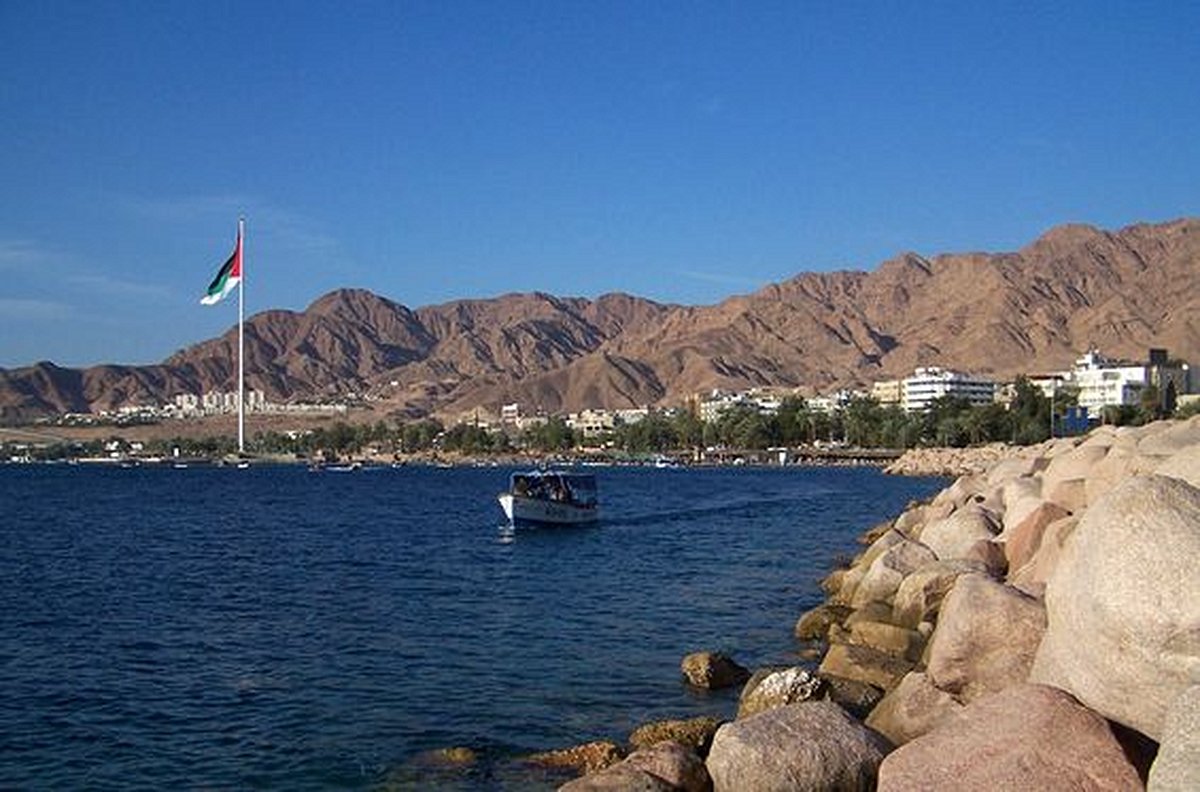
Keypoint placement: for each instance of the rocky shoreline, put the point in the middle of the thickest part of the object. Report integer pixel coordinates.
(1035, 625)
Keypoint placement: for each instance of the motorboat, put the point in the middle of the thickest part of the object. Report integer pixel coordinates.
(550, 498)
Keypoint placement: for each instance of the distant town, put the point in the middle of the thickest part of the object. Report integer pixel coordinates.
(932, 406)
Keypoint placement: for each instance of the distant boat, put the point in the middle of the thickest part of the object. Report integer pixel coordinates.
(551, 498)
(334, 467)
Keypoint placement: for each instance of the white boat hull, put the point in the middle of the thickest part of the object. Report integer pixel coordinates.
(536, 510)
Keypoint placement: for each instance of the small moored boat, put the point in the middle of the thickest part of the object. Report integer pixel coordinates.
(551, 498)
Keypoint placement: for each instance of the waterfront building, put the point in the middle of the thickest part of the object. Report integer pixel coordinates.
(631, 416)
(591, 423)
(1102, 382)
(887, 392)
(928, 384)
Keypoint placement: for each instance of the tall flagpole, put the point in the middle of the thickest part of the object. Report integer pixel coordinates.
(242, 340)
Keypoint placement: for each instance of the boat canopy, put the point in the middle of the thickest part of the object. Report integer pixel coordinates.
(578, 488)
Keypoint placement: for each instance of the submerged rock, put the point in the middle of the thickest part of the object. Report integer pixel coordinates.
(585, 758)
(712, 670)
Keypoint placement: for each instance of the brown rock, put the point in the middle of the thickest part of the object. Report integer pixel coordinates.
(912, 708)
(813, 625)
(814, 745)
(694, 733)
(585, 758)
(872, 611)
(899, 641)
(1026, 737)
(986, 638)
(1032, 576)
(712, 670)
(990, 555)
(864, 664)
(857, 698)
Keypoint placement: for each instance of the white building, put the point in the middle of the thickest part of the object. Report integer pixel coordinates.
(886, 392)
(926, 385)
(591, 423)
(1106, 383)
(717, 402)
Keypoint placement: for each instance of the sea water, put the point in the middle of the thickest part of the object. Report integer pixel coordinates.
(216, 628)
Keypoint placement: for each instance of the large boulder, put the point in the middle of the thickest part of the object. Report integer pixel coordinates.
(889, 638)
(1031, 576)
(695, 733)
(619, 778)
(1070, 494)
(864, 664)
(814, 624)
(1123, 604)
(1121, 462)
(1023, 541)
(1076, 464)
(912, 708)
(1184, 465)
(954, 536)
(883, 577)
(777, 688)
(856, 697)
(1021, 496)
(965, 489)
(674, 763)
(1177, 767)
(712, 670)
(814, 745)
(920, 594)
(848, 583)
(986, 638)
(1027, 737)
(1170, 438)
(1011, 469)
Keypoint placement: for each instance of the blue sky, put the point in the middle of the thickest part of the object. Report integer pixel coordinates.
(432, 151)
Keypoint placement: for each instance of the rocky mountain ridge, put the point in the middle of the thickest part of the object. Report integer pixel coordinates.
(995, 314)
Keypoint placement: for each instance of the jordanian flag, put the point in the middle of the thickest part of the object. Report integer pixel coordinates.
(228, 277)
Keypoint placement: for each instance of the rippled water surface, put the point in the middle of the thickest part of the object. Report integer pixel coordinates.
(275, 628)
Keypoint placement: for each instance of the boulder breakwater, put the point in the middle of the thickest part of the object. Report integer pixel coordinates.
(1035, 625)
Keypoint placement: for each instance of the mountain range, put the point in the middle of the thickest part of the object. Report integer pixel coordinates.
(1000, 315)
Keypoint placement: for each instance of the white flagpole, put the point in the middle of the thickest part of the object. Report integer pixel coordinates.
(242, 341)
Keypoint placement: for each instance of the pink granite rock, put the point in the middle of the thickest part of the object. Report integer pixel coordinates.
(1027, 737)
(986, 638)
